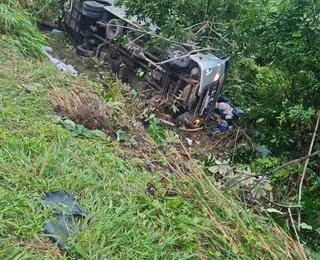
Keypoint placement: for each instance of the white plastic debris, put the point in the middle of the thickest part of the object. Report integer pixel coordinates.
(189, 141)
(59, 64)
(166, 122)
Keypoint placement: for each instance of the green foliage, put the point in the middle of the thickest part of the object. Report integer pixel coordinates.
(78, 130)
(140, 73)
(155, 131)
(37, 155)
(208, 162)
(47, 10)
(20, 33)
(222, 168)
(229, 177)
(280, 85)
(171, 137)
(280, 81)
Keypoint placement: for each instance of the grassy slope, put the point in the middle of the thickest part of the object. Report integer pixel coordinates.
(38, 155)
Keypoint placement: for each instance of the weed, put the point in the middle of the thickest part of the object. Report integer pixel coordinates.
(19, 32)
(79, 130)
(155, 131)
(39, 155)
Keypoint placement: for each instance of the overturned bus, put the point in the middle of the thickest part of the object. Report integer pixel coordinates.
(103, 30)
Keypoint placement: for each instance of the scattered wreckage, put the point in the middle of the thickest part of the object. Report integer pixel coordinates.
(102, 29)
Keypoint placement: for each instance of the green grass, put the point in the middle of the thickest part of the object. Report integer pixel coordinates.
(47, 10)
(19, 32)
(38, 155)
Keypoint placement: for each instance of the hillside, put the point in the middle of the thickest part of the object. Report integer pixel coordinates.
(130, 212)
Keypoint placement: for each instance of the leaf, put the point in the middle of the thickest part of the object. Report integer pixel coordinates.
(80, 128)
(74, 134)
(121, 136)
(56, 119)
(87, 133)
(214, 169)
(258, 192)
(221, 167)
(172, 137)
(232, 182)
(69, 125)
(258, 226)
(305, 226)
(209, 160)
(260, 120)
(156, 132)
(248, 181)
(99, 133)
(264, 183)
(271, 210)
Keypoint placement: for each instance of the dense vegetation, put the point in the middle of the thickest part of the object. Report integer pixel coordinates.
(274, 76)
(47, 10)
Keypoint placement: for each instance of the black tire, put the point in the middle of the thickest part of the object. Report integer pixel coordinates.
(114, 29)
(83, 51)
(93, 6)
(92, 15)
(177, 50)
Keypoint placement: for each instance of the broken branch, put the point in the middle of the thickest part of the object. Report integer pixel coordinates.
(305, 169)
(276, 169)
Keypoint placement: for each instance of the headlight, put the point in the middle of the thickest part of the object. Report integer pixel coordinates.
(217, 76)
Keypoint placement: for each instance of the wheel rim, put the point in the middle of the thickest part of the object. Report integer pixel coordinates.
(178, 54)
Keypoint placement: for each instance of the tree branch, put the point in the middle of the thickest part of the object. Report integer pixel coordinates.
(222, 37)
(294, 228)
(276, 169)
(287, 164)
(281, 205)
(186, 56)
(305, 169)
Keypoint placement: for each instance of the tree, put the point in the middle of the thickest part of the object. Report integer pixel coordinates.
(275, 65)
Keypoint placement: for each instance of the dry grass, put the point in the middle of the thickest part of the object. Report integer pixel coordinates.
(230, 226)
(81, 106)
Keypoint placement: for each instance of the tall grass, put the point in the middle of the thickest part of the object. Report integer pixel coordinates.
(123, 222)
(232, 230)
(19, 32)
(47, 10)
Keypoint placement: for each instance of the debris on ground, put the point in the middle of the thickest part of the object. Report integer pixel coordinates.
(167, 123)
(58, 63)
(264, 152)
(189, 142)
(151, 189)
(68, 215)
(222, 126)
(56, 32)
(81, 106)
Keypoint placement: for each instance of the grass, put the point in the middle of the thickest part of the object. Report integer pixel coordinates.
(19, 32)
(38, 155)
(47, 10)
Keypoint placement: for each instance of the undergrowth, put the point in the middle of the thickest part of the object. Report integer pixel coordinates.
(38, 155)
(47, 10)
(20, 33)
